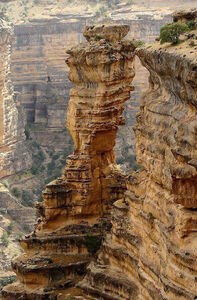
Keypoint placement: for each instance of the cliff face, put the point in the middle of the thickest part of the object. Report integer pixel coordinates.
(39, 71)
(13, 154)
(11, 133)
(41, 76)
(151, 251)
(42, 32)
(145, 223)
(75, 211)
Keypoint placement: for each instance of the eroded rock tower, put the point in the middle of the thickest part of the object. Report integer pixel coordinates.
(75, 209)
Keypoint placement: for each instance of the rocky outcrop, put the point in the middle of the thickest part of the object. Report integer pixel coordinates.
(151, 251)
(75, 211)
(145, 224)
(39, 74)
(13, 155)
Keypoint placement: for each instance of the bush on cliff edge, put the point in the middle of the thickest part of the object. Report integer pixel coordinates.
(170, 33)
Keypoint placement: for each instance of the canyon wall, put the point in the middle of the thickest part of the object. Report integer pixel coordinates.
(39, 73)
(40, 79)
(133, 237)
(12, 153)
(151, 251)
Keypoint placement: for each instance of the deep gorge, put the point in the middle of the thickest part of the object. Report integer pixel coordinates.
(144, 222)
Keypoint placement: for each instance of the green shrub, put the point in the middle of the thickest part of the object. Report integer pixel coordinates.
(10, 228)
(192, 43)
(27, 199)
(131, 159)
(129, 2)
(27, 227)
(6, 281)
(4, 239)
(56, 156)
(36, 1)
(97, 37)
(191, 25)
(136, 167)
(41, 155)
(120, 160)
(170, 33)
(3, 211)
(38, 159)
(6, 183)
(138, 43)
(27, 132)
(51, 167)
(35, 145)
(34, 169)
(15, 192)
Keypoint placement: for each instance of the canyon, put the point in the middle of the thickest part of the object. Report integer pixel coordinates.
(38, 97)
(103, 234)
(34, 144)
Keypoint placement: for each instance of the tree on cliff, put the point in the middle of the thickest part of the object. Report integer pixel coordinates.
(170, 33)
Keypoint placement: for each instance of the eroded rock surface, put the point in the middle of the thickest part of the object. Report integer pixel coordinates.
(11, 121)
(149, 249)
(75, 211)
(151, 252)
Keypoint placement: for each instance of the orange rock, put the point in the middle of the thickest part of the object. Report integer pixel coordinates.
(75, 212)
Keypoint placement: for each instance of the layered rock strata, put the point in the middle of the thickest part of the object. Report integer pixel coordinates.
(75, 211)
(11, 116)
(41, 76)
(151, 252)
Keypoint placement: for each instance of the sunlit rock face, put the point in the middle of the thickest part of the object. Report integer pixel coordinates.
(40, 75)
(75, 212)
(151, 251)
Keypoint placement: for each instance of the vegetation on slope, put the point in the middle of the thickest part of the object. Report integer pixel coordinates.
(22, 10)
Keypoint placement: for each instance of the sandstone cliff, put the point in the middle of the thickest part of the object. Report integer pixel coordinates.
(75, 211)
(151, 251)
(12, 132)
(42, 32)
(13, 155)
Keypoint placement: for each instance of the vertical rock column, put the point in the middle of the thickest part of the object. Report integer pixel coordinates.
(75, 208)
(102, 71)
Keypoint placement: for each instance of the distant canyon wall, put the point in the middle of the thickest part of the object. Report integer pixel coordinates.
(12, 152)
